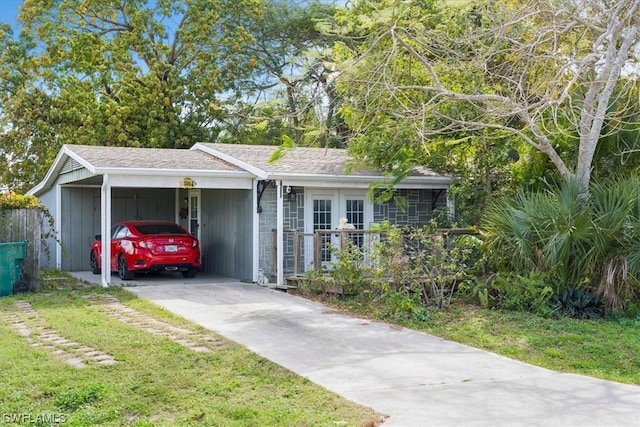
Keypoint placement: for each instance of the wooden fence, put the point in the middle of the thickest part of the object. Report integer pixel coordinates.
(25, 224)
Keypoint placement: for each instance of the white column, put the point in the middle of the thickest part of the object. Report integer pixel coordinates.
(280, 235)
(105, 227)
(256, 233)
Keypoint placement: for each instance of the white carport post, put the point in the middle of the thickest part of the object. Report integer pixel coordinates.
(105, 227)
(256, 233)
(279, 236)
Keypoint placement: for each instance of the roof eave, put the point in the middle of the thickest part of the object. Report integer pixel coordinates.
(172, 172)
(361, 179)
(259, 173)
(65, 153)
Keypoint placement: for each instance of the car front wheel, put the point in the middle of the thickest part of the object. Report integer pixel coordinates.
(123, 271)
(94, 263)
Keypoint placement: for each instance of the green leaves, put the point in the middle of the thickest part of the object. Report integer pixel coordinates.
(578, 243)
(117, 73)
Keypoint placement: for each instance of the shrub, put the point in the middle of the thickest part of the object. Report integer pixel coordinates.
(407, 269)
(578, 303)
(512, 291)
(589, 243)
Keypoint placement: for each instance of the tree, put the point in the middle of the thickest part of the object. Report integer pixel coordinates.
(290, 91)
(120, 72)
(549, 72)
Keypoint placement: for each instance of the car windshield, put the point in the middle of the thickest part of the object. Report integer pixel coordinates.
(151, 229)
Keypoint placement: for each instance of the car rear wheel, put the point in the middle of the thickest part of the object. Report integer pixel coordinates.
(123, 271)
(94, 263)
(190, 274)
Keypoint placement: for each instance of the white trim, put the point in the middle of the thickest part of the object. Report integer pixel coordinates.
(338, 198)
(256, 232)
(48, 180)
(163, 181)
(259, 173)
(365, 183)
(75, 156)
(105, 227)
(368, 206)
(171, 172)
(280, 235)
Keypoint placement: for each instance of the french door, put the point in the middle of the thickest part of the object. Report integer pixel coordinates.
(323, 210)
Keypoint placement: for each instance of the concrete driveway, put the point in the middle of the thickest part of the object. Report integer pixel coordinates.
(415, 378)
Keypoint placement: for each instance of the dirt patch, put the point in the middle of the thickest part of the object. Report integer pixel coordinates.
(27, 322)
(111, 306)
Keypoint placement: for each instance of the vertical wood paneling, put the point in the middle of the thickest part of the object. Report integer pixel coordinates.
(227, 230)
(25, 224)
(80, 220)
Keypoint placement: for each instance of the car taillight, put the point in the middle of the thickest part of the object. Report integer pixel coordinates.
(142, 244)
(194, 243)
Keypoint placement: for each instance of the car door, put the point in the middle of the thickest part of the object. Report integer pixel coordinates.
(118, 232)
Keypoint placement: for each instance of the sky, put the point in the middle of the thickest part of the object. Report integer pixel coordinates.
(9, 11)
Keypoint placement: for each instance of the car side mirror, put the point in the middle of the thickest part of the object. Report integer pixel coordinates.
(98, 237)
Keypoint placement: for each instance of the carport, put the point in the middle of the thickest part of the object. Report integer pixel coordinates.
(89, 188)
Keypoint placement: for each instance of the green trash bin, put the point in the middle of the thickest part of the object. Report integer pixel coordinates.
(11, 257)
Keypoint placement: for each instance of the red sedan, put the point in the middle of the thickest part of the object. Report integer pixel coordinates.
(146, 246)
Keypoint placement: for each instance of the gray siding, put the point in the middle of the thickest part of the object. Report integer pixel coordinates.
(293, 213)
(417, 213)
(267, 222)
(226, 233)
(418, 210)
(80, 220)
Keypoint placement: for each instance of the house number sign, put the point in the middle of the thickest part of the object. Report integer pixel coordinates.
(188, 183)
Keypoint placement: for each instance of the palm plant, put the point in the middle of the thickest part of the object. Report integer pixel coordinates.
(592, 243)
(616, 249)
(542, 231)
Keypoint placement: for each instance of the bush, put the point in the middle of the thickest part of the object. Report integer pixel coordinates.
(591, 243)
(578, 303)
(512, 291)
(405, 269)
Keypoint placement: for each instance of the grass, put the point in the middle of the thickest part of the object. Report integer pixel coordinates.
(156, 381)
(607, 349)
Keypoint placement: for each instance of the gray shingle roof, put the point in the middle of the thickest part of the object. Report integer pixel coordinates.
(150, 158)
(300, 160)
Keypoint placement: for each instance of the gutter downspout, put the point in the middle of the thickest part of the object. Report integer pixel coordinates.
(105, 227)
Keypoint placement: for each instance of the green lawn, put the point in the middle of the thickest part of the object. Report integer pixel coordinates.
(156, 380)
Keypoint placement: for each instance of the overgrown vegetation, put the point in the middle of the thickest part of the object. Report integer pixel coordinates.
(570, 243)
(407, 269)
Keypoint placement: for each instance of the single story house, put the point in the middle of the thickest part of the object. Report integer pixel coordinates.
(238, 203)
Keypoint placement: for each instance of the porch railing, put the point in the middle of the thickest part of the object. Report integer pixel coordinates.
(304, 252)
